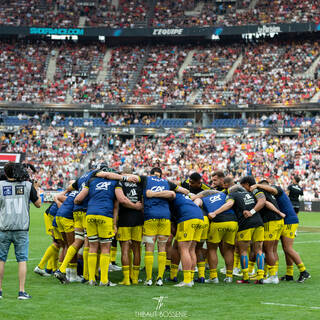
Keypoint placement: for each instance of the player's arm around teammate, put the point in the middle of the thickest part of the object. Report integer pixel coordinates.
(223, 228)
(250, 229)
(66, 225)
(189, 229)
(168, 195)
(116, 176)
(288, 234)
(100, 229)
(129, 231)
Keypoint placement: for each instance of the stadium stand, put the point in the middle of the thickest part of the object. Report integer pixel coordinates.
(140, 13)
(23, 71)
(56, 153)
(179, 155)
(60, 149)
(158, 83)
(39, 13)
(267, 72)
(127, 15)
(166, 74)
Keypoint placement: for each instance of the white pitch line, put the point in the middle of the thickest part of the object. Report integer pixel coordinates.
(311, 241)
(305, 233)
(289, 305)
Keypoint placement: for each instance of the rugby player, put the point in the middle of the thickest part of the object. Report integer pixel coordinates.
(294, 191)
(51, 254)
(157, 226)
(218, 181)
(228, 182)
(129, 223)
(175, 256)
(79, 215)
(189, 229)
(250, 225)
(65, 223)
(291, 223)
(57, 235)
(99, 223)
(273, 225)
(223, 227)
(195, 184)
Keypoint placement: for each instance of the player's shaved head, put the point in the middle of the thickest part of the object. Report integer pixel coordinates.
(127, 169)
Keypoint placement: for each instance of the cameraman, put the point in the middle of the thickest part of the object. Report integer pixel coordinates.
(14, 221)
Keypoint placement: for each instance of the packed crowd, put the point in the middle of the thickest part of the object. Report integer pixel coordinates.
(210, 65)
(129, 14)
(115, 87)
(23, 71)
(173, 13)
(268, 72)
(135, 13)
(76, 66)
(62, 13)
(158, 81)
(185, 13)
(265, 156)
(56, 153)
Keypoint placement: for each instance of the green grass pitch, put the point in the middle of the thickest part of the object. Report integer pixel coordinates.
(51, 300)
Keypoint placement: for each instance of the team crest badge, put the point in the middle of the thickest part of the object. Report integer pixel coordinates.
(185, 235)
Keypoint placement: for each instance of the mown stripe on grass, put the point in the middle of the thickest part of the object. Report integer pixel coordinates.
(289, 305)
(309, 229)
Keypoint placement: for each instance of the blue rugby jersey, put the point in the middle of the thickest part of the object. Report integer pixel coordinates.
(53, 209)
(285, 206)
(54, 222)
(215, 201)
(101, 196)
(185, 209)
(79, 185)
(156, 208)
(66, 209)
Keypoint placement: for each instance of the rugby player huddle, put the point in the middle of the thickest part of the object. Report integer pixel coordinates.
(245, 221)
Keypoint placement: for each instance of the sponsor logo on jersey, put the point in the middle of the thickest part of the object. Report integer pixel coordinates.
(157, 179)
(103, 185)
(157, 188)
(215, 198)
(186, 197)
(132, 193)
